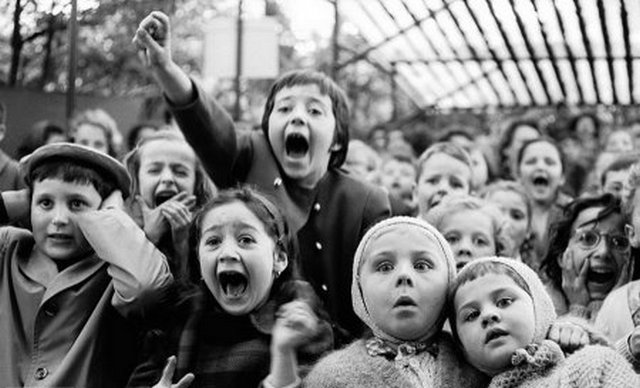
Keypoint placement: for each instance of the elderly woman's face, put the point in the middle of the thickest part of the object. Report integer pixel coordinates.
(604, 244)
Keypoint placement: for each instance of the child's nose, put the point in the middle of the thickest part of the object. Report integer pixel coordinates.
(60, 216)
(405, 277)
(166, 176)
(490, 316)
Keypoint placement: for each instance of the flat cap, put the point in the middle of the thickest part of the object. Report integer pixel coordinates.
(108, 167)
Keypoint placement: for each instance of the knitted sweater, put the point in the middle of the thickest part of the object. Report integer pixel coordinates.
(354, 367)
(546, 366)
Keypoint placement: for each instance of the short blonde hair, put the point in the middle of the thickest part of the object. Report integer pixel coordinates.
(453, 204)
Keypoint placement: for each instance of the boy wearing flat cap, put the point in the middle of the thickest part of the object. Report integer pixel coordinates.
(71, 285)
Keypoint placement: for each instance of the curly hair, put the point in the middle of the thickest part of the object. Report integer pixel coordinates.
(562, 230)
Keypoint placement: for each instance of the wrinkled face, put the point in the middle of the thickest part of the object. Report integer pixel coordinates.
(541, 172)
(619, 141)
(92, 136)
(521, 135)
(166, 168)
(494, 317)
(399, 178)
(604, 244)
(404, 282)
(301, 132)
(54, 207)
(470, 235)
(514, 207)
(441, 175)
(615, 182)
(238, 258)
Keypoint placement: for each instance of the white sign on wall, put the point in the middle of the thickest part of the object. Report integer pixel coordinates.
(259, 48)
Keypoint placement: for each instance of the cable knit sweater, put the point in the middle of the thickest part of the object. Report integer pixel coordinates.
(592, 366)
(354, 367)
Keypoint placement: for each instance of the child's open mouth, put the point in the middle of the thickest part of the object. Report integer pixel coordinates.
(296, 145)
(60, 237)
(233, 283)
(540, 181)
(164, 196)
(404, 301)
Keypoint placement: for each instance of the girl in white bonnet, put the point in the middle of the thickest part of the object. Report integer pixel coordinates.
(501, 315)
(402, 271)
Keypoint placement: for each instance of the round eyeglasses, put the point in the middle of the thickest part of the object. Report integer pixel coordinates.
(589, 239)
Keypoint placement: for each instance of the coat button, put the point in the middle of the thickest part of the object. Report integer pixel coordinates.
(41, 373)
(318, 245)
(324, 287)
(277, 182)
(316, 207)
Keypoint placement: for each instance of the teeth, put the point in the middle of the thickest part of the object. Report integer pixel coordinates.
(233, 283)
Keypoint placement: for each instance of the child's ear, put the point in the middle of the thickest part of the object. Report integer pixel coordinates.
(280, 262)
(3, 131)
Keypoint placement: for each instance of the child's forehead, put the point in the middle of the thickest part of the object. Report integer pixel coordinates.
(60, 185)
(309, 90)
(402, 237)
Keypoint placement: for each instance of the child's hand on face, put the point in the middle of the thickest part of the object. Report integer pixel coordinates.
(153, 39)
(568, 335)
(167, 376)
(174, 213)
(295, 324)
(574, 280)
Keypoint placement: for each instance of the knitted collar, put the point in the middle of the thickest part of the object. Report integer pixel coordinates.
(534, 360)
(392, 351)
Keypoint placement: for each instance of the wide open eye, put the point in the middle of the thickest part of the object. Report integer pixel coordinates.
(589, 238)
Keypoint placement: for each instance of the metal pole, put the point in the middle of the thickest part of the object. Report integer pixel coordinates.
(237, 111)
(73, 40)
(394, 91)
(334, 41)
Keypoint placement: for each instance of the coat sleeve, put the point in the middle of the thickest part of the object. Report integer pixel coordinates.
(139, 270)
(210, 131)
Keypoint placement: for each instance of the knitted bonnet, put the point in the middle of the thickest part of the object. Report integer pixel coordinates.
(429, 232)
(543, 308)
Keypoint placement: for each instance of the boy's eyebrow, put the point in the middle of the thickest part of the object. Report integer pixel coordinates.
(312, 98)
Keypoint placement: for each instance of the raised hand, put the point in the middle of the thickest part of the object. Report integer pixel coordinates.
(153, 39)
(568, 335)
(574, 280)
(167, 376)
(295, 324)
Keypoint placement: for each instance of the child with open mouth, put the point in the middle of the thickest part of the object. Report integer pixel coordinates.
(501, 316)
(168, 186)
(296, 159)
(250, 321)
(541, 171)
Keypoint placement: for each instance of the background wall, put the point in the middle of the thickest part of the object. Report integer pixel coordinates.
(26, 107)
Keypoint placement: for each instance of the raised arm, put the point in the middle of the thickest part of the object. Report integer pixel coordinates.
(139, 270)
(205, 124)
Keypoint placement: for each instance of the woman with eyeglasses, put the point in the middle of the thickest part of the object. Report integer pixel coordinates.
(588, 256)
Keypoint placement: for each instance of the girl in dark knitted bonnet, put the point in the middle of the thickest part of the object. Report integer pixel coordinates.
(501, 315)
(402, 271)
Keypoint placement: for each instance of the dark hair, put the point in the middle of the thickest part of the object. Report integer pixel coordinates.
(622, 162)
(202, 189)
(327, 87)
(38, 136)
(73, 172)
(275, 224)
(573, 123)
(543, 139)
(134, 132)
(3, 113)
(507, 138)
(562, 230)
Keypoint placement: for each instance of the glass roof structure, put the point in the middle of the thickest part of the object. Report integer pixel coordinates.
(503, 53)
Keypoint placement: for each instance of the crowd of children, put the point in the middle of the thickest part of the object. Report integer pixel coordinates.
(293, 256)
